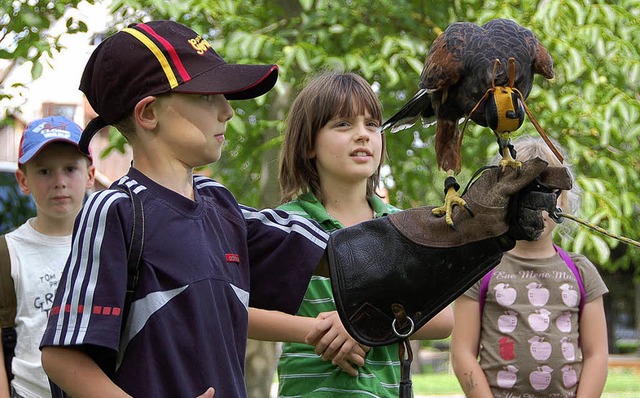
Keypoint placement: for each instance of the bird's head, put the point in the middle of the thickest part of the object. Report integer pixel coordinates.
(504, 110)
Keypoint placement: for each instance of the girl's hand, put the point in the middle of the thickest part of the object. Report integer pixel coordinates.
(332, 342)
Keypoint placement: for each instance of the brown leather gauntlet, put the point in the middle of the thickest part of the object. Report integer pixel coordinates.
(391, 275)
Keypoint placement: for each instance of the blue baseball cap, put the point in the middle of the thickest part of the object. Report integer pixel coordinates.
(42, 132)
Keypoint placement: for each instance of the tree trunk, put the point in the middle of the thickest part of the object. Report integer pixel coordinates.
(636, 285)
(260, 367)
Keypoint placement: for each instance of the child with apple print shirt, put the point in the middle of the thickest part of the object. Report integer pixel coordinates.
(534, 334)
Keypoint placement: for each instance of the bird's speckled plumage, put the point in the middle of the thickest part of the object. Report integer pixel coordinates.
(458, 71)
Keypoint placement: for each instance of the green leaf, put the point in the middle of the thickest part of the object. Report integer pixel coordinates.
(393, 75)
(306, 4)
(302, 60)
(336, 29)
(387, 46)
(602, 249)
(415, 64)
(36, 69)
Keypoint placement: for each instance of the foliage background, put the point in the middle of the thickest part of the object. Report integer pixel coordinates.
(592, 106)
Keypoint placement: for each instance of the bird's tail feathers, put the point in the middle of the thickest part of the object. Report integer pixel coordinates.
(408, 115)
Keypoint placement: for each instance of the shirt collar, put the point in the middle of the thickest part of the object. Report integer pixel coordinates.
(310, 204)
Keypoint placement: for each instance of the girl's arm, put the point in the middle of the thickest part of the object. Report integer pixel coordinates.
(330, 339)
(278, 326)
(465, 342)
(439, 327)
(77, 374)
(595, 353)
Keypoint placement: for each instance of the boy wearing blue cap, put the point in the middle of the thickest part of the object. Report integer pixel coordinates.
(56, 174)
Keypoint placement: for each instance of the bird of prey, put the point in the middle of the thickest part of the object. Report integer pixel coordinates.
(483, 73)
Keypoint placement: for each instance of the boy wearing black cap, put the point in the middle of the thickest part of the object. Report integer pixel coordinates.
(206, 258)
(166, 90)
(56, 174)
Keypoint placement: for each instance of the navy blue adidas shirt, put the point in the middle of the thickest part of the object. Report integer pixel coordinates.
(204, 263)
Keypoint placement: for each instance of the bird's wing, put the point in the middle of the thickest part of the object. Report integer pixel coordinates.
(443, 66)
(542, 64)
(408, 115)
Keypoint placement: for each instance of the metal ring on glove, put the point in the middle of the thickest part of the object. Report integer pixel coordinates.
(403, 335)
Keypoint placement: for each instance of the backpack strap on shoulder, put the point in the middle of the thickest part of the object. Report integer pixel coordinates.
(8, 306)
(484, 287)
(572, 266)
(135, 248)
(8, 302)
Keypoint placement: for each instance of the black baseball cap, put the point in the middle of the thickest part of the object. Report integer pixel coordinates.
(156, 57)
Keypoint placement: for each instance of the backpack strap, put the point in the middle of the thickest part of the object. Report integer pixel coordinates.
(484, 287)
(8, 302)
(8, 306)
(572, 266)
(135, 249)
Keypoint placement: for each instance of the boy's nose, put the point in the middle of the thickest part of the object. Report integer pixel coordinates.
(227, 112)
(60, 180)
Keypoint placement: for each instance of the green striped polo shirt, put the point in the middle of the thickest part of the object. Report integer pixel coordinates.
(301, 372)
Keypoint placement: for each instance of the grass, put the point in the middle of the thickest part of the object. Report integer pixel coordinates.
(620, 383)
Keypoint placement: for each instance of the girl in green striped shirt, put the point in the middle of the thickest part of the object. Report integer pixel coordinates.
(330, 167)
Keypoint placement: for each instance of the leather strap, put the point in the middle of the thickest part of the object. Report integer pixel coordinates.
(405, 353)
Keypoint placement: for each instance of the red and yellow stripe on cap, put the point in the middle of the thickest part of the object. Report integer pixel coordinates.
(159, 54)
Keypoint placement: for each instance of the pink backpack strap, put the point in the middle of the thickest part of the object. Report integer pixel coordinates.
(567, 259)
(484, 287)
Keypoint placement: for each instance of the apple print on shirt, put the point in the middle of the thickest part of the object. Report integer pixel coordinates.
(506, 348)
(507, 323)
(569, 376)
(539, 320)
(568, 349)
(538, 295)
(541, 378)
(507, 377)
(505, 295)
(569, 295)
(540, 350)
(564, 322)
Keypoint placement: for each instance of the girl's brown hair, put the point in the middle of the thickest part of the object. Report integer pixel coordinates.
(327, 96)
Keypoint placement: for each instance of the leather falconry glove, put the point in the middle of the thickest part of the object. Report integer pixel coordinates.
(391, 275)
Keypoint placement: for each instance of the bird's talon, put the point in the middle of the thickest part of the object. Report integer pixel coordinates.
(438, 211)
(468, 209)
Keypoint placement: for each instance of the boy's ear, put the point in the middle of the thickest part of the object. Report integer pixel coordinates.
(21, 177)
(91, 170)
(145, 113)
